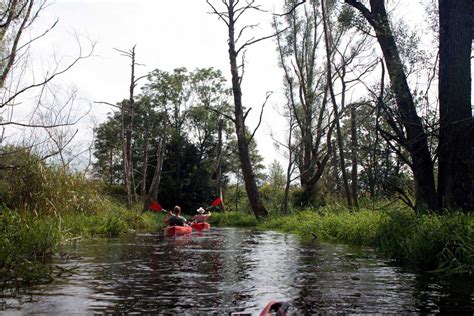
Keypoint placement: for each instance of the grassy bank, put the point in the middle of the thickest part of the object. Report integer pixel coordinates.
(442, 243)
(43, 206)
(430, 242)
(27, 240)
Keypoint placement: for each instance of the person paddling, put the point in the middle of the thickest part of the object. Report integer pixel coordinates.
(201, 217)
(175, 218)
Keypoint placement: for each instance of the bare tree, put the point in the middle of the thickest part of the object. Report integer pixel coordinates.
(127, 128)
(230, 16)
(52, 114)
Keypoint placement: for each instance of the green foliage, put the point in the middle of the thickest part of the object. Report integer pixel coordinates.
(272, 198)
(234, 219)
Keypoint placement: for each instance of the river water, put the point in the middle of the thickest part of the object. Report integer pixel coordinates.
(229, 270)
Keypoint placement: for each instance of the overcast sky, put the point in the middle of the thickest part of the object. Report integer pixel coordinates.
(168, 34)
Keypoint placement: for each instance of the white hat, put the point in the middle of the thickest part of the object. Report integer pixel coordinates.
(200, 210)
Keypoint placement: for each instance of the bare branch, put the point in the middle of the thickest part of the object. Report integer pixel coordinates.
(222, 15)
(251, 42)
(48, 77)
(291, 10)
(269, 93)
(220, 113)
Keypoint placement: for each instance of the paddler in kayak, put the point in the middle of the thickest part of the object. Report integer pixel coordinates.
(175, 218)
(201, 217)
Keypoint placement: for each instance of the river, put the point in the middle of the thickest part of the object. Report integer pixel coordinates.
(230, 270)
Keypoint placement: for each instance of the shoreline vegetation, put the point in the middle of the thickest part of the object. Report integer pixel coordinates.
(45, 206)
(442, 244)
(427, 242)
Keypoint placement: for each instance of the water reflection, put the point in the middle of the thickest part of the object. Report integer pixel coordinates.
(233, 270)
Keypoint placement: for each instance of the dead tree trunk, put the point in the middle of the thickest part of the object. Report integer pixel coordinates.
(230, 17)
(127, 129)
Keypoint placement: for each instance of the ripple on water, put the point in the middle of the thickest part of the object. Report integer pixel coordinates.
(232, 270)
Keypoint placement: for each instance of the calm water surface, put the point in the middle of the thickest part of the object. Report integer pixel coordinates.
(232, 270)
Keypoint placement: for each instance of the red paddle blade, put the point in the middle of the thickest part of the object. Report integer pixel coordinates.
(155, 206)
(216, 202)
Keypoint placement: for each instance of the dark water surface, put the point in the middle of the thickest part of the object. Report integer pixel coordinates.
(232, 270)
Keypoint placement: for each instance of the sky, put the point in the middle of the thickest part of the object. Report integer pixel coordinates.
(167, 35)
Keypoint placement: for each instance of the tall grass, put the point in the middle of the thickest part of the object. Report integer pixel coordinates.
(443, 243)
(46, 205)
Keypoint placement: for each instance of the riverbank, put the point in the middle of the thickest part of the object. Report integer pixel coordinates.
(430, 242)
(28, 240)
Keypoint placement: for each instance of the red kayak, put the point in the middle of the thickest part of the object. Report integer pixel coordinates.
(200, 225)
(275, 308)
(178, 230)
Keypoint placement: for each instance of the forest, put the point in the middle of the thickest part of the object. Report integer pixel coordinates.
(377, 147)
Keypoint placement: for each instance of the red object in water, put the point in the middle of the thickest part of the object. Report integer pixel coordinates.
(155, 206)
(200, 225)
(275, 308)
(216, 202)
(178, 230)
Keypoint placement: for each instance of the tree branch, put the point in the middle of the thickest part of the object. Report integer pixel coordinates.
(261, 115)
(291, 10)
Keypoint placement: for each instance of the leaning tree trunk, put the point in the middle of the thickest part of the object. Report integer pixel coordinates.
(416, 140)
(249, 177)
(456, 172)
(152, 193)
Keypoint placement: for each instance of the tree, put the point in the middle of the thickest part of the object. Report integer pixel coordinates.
(329, 52)
(230, 16)
(298, 41)
(127, 128)
(412, 135)
(176, 126)
(50, 116)
(456, 142)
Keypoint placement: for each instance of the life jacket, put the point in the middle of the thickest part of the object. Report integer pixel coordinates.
(176, 221)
